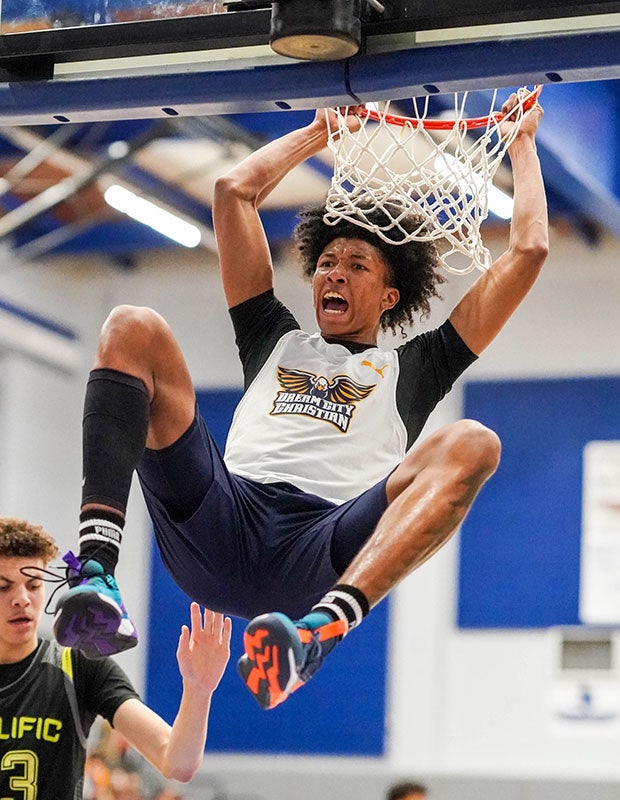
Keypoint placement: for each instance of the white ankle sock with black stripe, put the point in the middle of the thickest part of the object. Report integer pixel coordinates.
(101, 533)
(345, 603)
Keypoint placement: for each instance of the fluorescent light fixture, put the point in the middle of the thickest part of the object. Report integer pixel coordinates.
(152, 215)
(449, 167)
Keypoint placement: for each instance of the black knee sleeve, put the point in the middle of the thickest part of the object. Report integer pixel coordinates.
(115, 425)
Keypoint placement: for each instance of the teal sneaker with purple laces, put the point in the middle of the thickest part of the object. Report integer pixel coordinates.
(91, 616)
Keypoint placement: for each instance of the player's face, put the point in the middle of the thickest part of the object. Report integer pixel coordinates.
(21, 605)
(350, 290)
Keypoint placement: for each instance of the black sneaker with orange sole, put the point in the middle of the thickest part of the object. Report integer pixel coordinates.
(280, 656)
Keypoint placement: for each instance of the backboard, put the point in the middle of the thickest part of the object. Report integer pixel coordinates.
(212, 56)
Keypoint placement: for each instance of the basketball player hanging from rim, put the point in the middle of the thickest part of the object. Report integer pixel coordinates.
(323, 501)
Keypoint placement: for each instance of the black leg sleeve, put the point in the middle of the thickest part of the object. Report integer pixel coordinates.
(115, 425)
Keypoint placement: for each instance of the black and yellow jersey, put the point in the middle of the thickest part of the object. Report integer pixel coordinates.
(48, 703)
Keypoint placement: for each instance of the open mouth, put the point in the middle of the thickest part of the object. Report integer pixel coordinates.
(20, 621)
(334, 303)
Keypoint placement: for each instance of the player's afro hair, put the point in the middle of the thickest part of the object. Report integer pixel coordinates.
(413, 267)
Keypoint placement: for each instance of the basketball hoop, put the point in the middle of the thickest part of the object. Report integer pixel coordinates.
(436, 172)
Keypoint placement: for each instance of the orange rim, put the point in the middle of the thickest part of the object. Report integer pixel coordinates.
(448, 124)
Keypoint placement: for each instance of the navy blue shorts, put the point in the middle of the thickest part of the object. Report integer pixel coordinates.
(242, 547)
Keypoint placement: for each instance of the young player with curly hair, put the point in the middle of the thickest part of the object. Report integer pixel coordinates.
(50, 695)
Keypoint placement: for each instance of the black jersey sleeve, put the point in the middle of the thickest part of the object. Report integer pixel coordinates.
(259, 324)
(101, 686)
(429, 365)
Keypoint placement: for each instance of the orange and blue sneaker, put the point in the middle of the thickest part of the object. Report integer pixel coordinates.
(91, 616)
(282, 655)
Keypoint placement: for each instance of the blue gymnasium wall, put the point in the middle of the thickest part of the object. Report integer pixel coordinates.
(520, 545)
(340, 712)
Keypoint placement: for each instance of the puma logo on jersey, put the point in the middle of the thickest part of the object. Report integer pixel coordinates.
(378, 370)
(316, 396)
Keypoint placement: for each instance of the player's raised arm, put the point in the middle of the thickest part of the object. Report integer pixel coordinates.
(202, 655)
(245, 260)
(487, 306)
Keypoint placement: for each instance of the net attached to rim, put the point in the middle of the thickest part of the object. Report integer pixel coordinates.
(419, 179)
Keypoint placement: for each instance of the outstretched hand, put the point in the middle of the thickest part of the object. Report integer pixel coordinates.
(204, 651)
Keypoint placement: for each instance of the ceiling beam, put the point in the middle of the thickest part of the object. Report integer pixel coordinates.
(84, 172)
(34, 157)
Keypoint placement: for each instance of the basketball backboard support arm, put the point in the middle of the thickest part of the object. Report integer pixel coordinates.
(220, 63)
(272, 83)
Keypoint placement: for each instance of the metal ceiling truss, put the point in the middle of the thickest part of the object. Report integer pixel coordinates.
(82, 172)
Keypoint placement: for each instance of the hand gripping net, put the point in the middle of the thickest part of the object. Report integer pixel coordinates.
(436, 172)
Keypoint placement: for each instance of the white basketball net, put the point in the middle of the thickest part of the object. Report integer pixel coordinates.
(414, 168)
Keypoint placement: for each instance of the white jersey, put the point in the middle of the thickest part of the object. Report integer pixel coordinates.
(319, 417)
(331, 418)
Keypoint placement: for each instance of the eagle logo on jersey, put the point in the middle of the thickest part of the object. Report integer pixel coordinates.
(316, 396)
